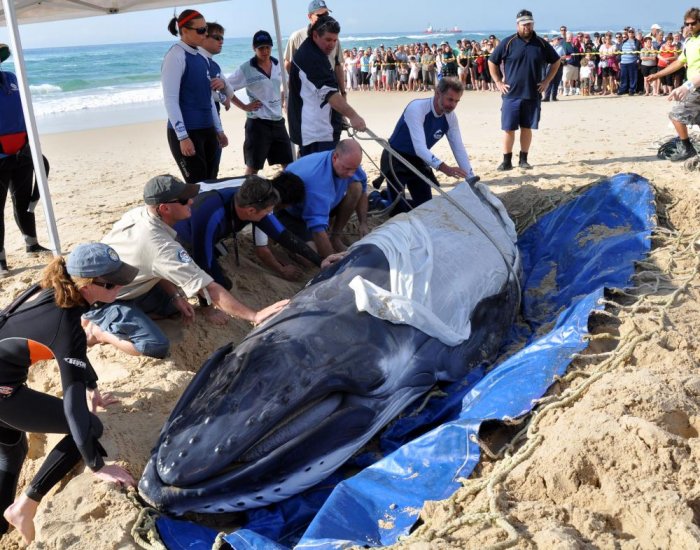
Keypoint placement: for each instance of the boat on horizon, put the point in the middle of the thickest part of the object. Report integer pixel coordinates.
(431, 30)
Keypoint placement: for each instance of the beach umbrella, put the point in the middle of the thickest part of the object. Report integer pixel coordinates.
(37, 11)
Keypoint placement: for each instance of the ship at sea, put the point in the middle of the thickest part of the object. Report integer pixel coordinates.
(431, 30)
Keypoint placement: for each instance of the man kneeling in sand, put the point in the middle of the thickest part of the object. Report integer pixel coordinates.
(167, 275)
(335, 188)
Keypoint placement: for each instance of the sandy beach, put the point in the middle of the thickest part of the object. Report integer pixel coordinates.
(617, 467)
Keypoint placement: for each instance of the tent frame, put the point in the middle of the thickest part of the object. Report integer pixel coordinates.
(91, 9)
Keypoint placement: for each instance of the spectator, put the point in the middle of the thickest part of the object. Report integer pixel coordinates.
(629, 59)
(524, 56)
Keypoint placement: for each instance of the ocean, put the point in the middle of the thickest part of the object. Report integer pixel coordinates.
(83, 87)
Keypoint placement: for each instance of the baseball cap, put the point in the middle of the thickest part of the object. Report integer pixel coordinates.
(166, 188)
(262, 38)
(318, 5)
(655, 27)
(524, 16)
(99, 260)
(4, 52)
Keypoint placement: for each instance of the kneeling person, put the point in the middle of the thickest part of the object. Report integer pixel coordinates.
(224, 208)
(335, 186)
(166, 275)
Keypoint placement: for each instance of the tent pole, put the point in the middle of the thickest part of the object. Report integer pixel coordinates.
(30, 122)
(280, 53)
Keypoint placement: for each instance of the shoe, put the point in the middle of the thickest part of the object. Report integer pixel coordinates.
(4, 271)
(631, 93)
(545, 99)
(504, 166)
(525, 165)
(555, 99)
(683, 152)
(36, 248)
(377, 182)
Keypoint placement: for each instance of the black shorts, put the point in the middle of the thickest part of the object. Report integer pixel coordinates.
(266, 140)
(646, 70)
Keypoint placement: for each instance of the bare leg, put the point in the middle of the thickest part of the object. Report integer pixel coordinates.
(20, 514)
(345, 209)
(681, 129)
(508, 141)
(525, 139)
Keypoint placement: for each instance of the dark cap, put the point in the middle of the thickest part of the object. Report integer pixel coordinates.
(4, 52)
(262, 38)
(167, 188)
(317, 5)
(91, 260)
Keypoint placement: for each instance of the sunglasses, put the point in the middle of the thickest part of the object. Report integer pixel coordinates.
(105, 285)
(217, 37)
(183, 202)
(690, 23)
(198, 30)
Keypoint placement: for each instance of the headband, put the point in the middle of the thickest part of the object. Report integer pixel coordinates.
(193, 15)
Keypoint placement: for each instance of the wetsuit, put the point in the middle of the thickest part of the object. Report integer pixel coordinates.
(418, 129)
(16, 168)
(213, 220)
(40, 330)
(191, 112)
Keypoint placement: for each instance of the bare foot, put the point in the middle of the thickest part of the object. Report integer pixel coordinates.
(22, 520)
(214, 316)
(338, 244)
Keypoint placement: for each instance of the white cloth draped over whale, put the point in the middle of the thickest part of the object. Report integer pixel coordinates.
(414, 245)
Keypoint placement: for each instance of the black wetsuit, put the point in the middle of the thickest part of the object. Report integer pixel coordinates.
(35, 331)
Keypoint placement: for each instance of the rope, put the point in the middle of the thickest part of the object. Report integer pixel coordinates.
(491, 511)
(144, 531)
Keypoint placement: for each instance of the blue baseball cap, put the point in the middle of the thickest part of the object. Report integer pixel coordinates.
(262, 38)
(317, 5)
(91, 260)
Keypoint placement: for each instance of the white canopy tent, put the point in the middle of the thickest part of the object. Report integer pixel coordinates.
(36, 11)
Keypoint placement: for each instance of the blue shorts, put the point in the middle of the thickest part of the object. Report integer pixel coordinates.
(519, 113)
(129, 320)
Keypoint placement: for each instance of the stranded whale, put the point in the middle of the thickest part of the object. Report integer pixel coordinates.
(424, 298)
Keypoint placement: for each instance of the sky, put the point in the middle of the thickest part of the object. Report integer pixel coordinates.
(355, 16)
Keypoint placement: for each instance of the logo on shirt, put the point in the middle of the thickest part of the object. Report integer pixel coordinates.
(14, 88)
(184, 257)
(438, 134)
(75, 362)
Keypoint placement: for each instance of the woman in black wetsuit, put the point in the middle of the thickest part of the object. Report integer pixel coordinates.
(45, 323)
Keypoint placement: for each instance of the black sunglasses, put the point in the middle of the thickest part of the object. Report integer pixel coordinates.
(108, 286)
(217, 37)
(690, 23)
(198, 30)
(183, 202)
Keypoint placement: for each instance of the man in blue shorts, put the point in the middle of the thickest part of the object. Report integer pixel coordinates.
(524, 56)
(335, 188)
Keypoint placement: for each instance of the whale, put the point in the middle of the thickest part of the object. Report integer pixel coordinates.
(425, 298)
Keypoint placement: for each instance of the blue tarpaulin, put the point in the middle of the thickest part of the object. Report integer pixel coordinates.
(569, 257)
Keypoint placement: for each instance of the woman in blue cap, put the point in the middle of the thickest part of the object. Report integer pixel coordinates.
(44, 323)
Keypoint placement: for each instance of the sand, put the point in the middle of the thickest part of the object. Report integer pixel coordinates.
(616, 467)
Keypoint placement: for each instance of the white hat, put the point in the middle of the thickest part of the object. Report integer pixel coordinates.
(655, 27)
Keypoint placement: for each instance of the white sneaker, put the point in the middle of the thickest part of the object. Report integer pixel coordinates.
(578, 91)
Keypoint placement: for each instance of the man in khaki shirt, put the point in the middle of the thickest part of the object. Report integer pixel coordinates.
(167, 275)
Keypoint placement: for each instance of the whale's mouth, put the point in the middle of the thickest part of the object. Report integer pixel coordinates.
(295, 425)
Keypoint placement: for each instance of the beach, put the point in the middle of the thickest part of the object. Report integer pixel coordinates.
(616, 467)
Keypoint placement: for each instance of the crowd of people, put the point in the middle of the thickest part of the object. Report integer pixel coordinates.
(595, 63)
(165, 252)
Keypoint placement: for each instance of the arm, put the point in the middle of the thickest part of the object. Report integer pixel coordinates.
(454, 137)
(361, 212)
(553, 68)
(274, 229)
(670, 69)
(497, 77)
(414, 115)
(337, 101)
(227, 303)
(171, 74)
(680, 93)
(288, 271)
(178, 300)
(323, 243)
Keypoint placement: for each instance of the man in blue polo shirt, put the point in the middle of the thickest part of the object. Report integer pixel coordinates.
(524, 56)
(335, 187)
